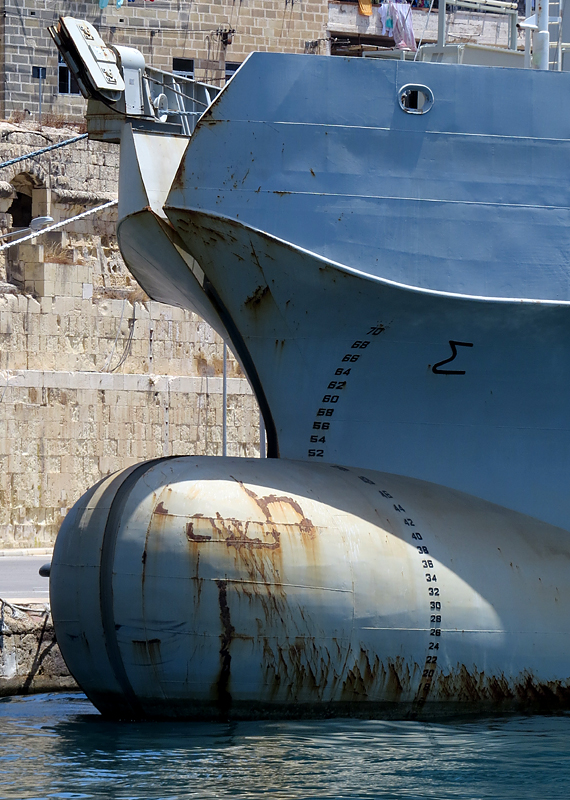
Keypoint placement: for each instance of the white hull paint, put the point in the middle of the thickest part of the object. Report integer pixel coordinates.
(207, 587)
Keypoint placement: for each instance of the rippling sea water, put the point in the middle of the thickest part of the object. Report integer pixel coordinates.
(57, 746)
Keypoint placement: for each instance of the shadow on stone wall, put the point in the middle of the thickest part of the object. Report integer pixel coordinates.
(30, 660)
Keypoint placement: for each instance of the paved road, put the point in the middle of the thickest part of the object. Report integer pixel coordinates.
(19, 578)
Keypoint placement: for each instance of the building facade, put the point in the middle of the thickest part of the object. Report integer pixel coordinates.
(207, 40)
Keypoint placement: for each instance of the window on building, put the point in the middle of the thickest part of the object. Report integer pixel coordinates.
(183, 67)
(66, 81)
(231, 67)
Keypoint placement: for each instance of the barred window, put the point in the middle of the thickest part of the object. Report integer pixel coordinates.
(66, 81)
(231, 67)
(183, 67)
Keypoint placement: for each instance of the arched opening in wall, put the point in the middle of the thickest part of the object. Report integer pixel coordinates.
(21, 208)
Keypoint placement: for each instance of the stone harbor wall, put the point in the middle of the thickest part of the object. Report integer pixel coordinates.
(60, 183)
(71, 412)
(30, 660)
(94, 376)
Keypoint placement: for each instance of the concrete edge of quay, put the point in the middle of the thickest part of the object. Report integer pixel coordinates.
(30, 659)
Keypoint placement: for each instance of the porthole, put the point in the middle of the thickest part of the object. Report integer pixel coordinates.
(415, 99)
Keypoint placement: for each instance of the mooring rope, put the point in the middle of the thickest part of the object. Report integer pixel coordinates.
(58, 225)
(43, 150)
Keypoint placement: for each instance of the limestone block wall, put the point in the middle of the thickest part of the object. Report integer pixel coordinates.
(60, 183)
(94, 376)
(88, 169)
(89, 386)
(162, 30)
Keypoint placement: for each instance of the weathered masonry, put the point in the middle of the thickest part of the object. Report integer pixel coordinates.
(93, 375)
(208, 40)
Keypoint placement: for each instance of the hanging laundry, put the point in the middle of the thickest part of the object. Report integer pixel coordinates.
(400, 15)
(365, 7)
(103, 3)
(383, 15)
(119, 3)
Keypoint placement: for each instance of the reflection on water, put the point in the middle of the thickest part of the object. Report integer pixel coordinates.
(57, 746)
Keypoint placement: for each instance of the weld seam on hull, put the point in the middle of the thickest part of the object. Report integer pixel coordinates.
(108, 546)
(443, 630)
(396, 198)
(290, 585)
(470, 134)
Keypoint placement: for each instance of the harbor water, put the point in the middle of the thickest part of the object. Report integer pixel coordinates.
(58, 746)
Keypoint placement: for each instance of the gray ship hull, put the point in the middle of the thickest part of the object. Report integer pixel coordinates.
(396, 287)
(326, 221)
(347, 367)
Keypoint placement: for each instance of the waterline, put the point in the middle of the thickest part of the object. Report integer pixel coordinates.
(57, 746)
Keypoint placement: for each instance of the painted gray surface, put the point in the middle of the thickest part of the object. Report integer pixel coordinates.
(220, 587)
(470, 197)
(500, 431)
(422, 263)
(325, 220)
(19, 578)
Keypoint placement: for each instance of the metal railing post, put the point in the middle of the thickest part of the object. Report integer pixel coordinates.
(262, 448)
(513, 31)
(441, 15)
